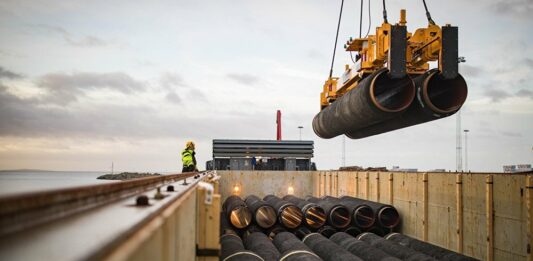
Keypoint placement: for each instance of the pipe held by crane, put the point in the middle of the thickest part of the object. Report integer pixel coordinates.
(375, 99)
(436, 98)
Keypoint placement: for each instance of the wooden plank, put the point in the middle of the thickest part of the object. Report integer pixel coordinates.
(459, 209)
(391, 188)
(377, 187)
(367, 185)
(426, 206)
(529, 192)
(490, 218)
(208, 222)
(356, 193)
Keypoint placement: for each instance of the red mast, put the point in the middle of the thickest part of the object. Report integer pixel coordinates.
(278, 122)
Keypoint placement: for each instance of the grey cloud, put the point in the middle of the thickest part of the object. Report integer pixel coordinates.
(173, 97)
(497, 95)
(8, 74)
(171, 81)
(84, 41)
(29, 118)
(511, 134)
(314, 54)
(472, 71)
(525, 93)
(244, 78)
(513, 8)
(528, 62)
(64, 88)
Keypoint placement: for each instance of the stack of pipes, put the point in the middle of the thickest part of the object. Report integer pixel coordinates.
(327, 228)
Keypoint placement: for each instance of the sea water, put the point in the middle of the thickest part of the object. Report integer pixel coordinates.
(15, 182)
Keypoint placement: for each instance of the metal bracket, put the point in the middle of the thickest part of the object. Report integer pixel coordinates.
(396, 60)
(449, 54)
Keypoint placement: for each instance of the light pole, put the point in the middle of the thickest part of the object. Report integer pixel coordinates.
(466, 149)
(300, 128)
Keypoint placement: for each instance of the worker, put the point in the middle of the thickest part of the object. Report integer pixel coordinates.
(188, 158)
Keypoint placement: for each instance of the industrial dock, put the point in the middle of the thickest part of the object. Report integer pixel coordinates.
(249, 130)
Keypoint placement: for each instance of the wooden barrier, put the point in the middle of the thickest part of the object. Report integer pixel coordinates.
(485, 215)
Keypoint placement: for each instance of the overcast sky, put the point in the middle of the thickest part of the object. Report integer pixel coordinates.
(87, 83)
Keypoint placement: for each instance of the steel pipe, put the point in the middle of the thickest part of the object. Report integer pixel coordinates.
(232, 249)
(427, 248)
(327, 231)
(264, 215)
(328, 250)
(375, 99)
(361, 248)
(289, 215)
(393, 249)
(377, 230)
(436, 98)
(260, 244)
(338, 216)
(353, 231)
(314, 215)
(292, 249)
(386, 215)
(237, 212)
(273, 231)
(362, 215)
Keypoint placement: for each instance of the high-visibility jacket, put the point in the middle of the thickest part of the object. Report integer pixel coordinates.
(188, 158)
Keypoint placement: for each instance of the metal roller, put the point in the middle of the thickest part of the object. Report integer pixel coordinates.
(436, 98)
(393, 249)
(361, 248)
(386, 215)
(292, 249)
(338, 216)
(375, 99)
(264, 215)
(362, 215)
(327, 249)
(314, 215)
(289, 215)
(427, 248)
(237, 212)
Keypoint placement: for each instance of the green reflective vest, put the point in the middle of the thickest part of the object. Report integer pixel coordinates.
(187, 157)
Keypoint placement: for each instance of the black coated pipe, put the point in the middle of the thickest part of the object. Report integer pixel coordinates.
(260, 244)
(386, 215)
(436, 98)
(362, 215)
(237, 212)
(289, 215)
(377, 230)
(327, 231)
(328, 250)
(361, 248)
(273, 231)
(427, 248)
(264, 215)
(393, 249)
(232, 249)
(292, 249)
(338, 216)
(314, 215)
(353, 231)
(375, 99)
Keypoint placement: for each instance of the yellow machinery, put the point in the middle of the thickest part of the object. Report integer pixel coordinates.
(391, 86)
(424, 46)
